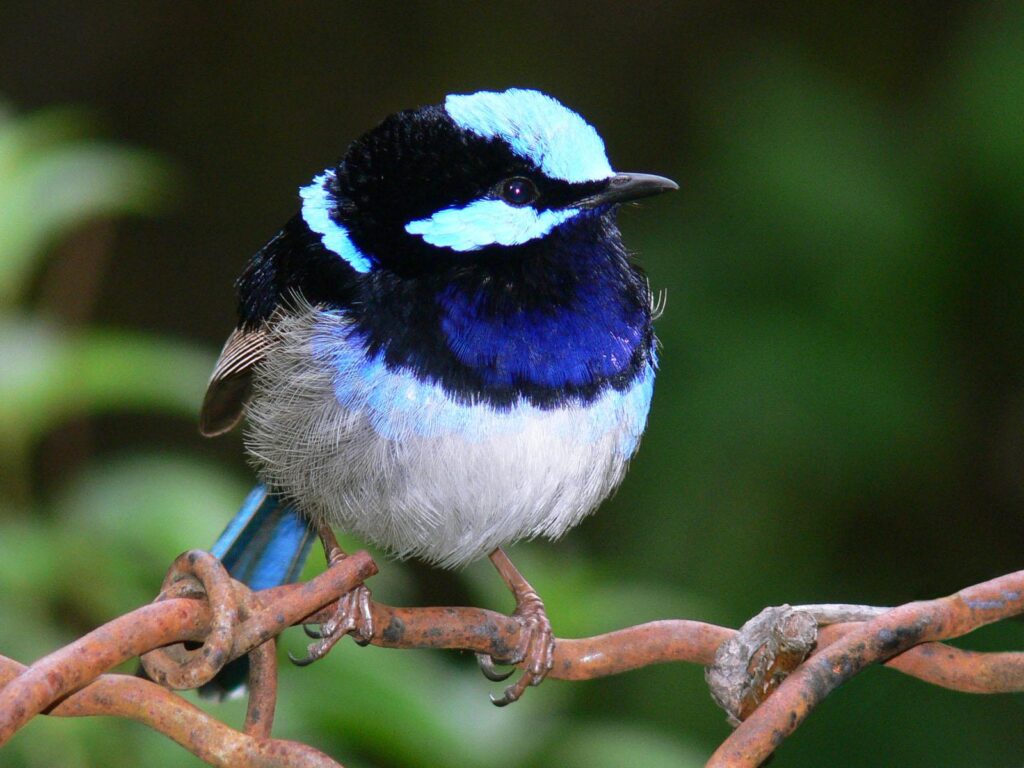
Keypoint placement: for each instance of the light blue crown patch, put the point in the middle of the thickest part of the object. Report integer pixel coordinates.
(538, 128)
(316, 210)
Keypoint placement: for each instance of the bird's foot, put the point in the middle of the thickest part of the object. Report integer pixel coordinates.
(536, 650)
(354, 616)
(536, 653)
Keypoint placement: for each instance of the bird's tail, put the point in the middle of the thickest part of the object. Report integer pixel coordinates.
(265, 545)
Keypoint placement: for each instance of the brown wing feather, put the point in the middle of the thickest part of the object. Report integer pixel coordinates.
(229, 385)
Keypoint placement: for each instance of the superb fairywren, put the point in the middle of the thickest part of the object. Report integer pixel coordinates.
(445, 351)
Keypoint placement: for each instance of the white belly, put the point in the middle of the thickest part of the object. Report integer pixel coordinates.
(396, 462)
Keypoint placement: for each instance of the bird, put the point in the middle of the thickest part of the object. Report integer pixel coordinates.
(446, 350)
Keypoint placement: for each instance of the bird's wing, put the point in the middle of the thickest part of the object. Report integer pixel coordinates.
(229, 385)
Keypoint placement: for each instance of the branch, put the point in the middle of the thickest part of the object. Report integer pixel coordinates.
(880, 639)
(204, 736)
(200, 603)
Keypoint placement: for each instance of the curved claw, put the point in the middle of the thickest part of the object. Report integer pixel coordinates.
(486, 664)
(302, 661)
(354, 616)
(314, 631)
(514, 691)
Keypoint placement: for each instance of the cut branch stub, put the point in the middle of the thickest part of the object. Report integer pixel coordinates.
(752, 664)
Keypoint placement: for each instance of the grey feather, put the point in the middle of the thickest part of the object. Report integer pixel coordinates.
(446, 498)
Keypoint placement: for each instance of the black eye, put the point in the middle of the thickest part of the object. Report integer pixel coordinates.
(518, 190)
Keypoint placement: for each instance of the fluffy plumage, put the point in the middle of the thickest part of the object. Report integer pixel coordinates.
(400, 462)
(448, 349)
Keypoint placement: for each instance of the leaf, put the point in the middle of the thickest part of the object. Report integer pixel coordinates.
(51, 374)
(51, 181)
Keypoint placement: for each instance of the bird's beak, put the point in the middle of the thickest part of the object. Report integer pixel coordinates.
(628, 186)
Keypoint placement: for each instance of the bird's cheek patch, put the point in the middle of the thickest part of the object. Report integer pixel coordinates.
(486, 222)
(316, 210)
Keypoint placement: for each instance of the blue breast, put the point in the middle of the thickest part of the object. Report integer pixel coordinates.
(401, 404)
(594, 338)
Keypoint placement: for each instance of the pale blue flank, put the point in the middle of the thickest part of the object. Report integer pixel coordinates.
(557, 140)
(636, 402)
(400, 405)
(487, 222)
(316, 210)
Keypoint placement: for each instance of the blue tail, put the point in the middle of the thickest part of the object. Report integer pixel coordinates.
(265, 545)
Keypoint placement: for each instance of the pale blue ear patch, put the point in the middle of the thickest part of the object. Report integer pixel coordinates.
(487, 222)
(316, 211)
(557, 140)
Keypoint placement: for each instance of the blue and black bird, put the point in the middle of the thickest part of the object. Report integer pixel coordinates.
(445, 351)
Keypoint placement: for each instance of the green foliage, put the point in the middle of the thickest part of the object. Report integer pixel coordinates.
(99, 546)
(53, 178)
(52, 373)
(832, 260)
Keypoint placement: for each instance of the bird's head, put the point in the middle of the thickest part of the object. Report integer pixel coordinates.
(476, 178)
(472, 243)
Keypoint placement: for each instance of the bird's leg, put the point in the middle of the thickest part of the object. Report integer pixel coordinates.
(353, 616)
(537, 647)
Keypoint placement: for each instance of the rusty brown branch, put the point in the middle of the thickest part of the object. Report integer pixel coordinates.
(202, 735)
(259, 714)
(670, 640)
(200, 603)
(492, 633)
(172, 620)
(872, 641)
(949, 667)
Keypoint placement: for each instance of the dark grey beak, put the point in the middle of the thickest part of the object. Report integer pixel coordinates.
(628, 186)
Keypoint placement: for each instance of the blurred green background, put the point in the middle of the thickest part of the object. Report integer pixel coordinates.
(839, 414)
